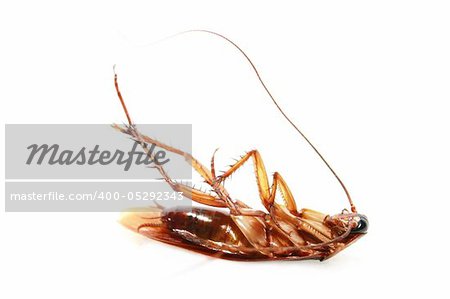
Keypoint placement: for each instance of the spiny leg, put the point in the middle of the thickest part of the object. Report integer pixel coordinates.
(268, 198)
(234, 206)
(132, 131)
(213, 168)
(199, 167)
(192, 193)
(196, 195)
(266, 193)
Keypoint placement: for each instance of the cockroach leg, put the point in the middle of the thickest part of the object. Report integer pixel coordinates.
(198, 196)
(189, 192)
(222, 200)
(132, 131)
(199, 167)
(252, 212)
(312, 215)
(280, 183)
(266, 193)
(213, 168)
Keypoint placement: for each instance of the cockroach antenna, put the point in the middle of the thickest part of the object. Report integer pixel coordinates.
(347, 193)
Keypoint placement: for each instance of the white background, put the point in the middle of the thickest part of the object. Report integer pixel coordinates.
(368, 82)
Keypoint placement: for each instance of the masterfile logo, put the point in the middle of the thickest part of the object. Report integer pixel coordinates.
(92, 168)
(91, 152)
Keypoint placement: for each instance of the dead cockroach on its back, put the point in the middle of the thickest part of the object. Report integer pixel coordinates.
(237, 231)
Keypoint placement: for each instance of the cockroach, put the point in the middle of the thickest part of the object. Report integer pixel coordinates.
(228, 228)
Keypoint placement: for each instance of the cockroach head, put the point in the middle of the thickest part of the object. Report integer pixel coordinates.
(348, 228)
(363, 225)
(355, 223)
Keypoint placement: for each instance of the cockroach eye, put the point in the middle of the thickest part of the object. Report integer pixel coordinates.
(363, 225)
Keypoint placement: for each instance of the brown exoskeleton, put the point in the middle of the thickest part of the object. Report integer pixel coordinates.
(237, 231)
